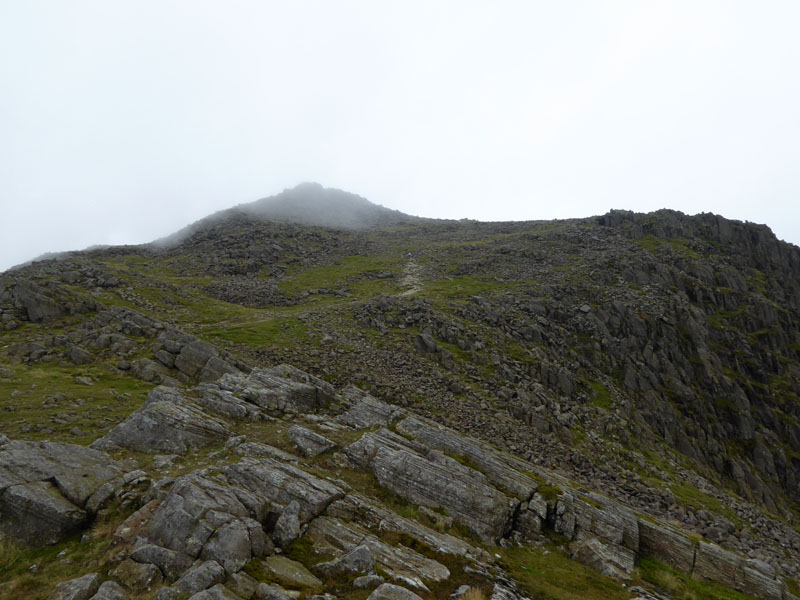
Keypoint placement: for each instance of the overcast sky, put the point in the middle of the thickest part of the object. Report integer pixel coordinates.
(122, 121)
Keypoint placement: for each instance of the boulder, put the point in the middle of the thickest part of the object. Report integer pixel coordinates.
(366, 412)
(291, 572)
(431, 479)
(501, 470)
(110, 591)
(389, 591)
(201, 577)
(309, 442)
(167, 422)
(357, 560)
(287, 527)
(138, 577)
(401, 563)
(281, 389)
(269, 592)
(356, 508)
(218, 592)
(280, 483)
(82, 588)
(170, 563)
(37, 514)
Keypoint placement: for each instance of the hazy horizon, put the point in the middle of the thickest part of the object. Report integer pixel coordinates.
(124, 122)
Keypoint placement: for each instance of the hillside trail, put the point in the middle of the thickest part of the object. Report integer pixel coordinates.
(411, 278)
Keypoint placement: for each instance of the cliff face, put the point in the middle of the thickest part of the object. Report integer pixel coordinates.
(628, 385)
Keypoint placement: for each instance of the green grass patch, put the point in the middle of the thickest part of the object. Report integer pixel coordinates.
(601, 397)
(354, 272)
(31, 573)
(45, 401)
(280, 331)
(547, 572)
(682, 586)
(649, 242)
(463, 287)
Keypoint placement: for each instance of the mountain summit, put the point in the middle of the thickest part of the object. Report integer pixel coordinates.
(313, 204)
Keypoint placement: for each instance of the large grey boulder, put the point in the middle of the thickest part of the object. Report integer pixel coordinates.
(280, 389)
(501, 470)
(218, 592)
(46, 488)
(269, 592)
(607, 559)
(171, 563)
(389, 591)
(280, 483)
(167, 422)
(191, 513)
(309, 442)
(82, 588)
(201, 577)
(37, 514)
(339, 538)
(222, 518)
(432, 479)
(356, 508)
(110, 591)
(287, 527)
(366, 411)
(199, 359)
(357, 560)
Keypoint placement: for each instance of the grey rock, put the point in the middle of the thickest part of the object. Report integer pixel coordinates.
(138, 577)
(255, 450)
(500, 469)
(269, 592)
(291, 572)
(167, 422)
(201, 577)
(366, 411)
(287, 527)
(401, 563)
(389, 591)
(194, 356)
(357, 508)
(79, 356)
(357, 560)
(436, 481)
(231, 545)
(280, 483)
(110, 591)
(281, 389)
(666, 544)
(309, 442)
(218, 592)
(171, 563)
(608, 559)
(242, 585)
(168, 593)
(22, 462)
(367, 581)
(37, 514)
(82, 588)
(180, 521)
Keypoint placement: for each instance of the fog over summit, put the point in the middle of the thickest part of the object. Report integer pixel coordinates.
(312, 204)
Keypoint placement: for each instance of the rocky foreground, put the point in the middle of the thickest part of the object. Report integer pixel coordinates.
(226, 529)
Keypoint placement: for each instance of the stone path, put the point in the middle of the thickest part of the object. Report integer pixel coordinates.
(411, 280)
